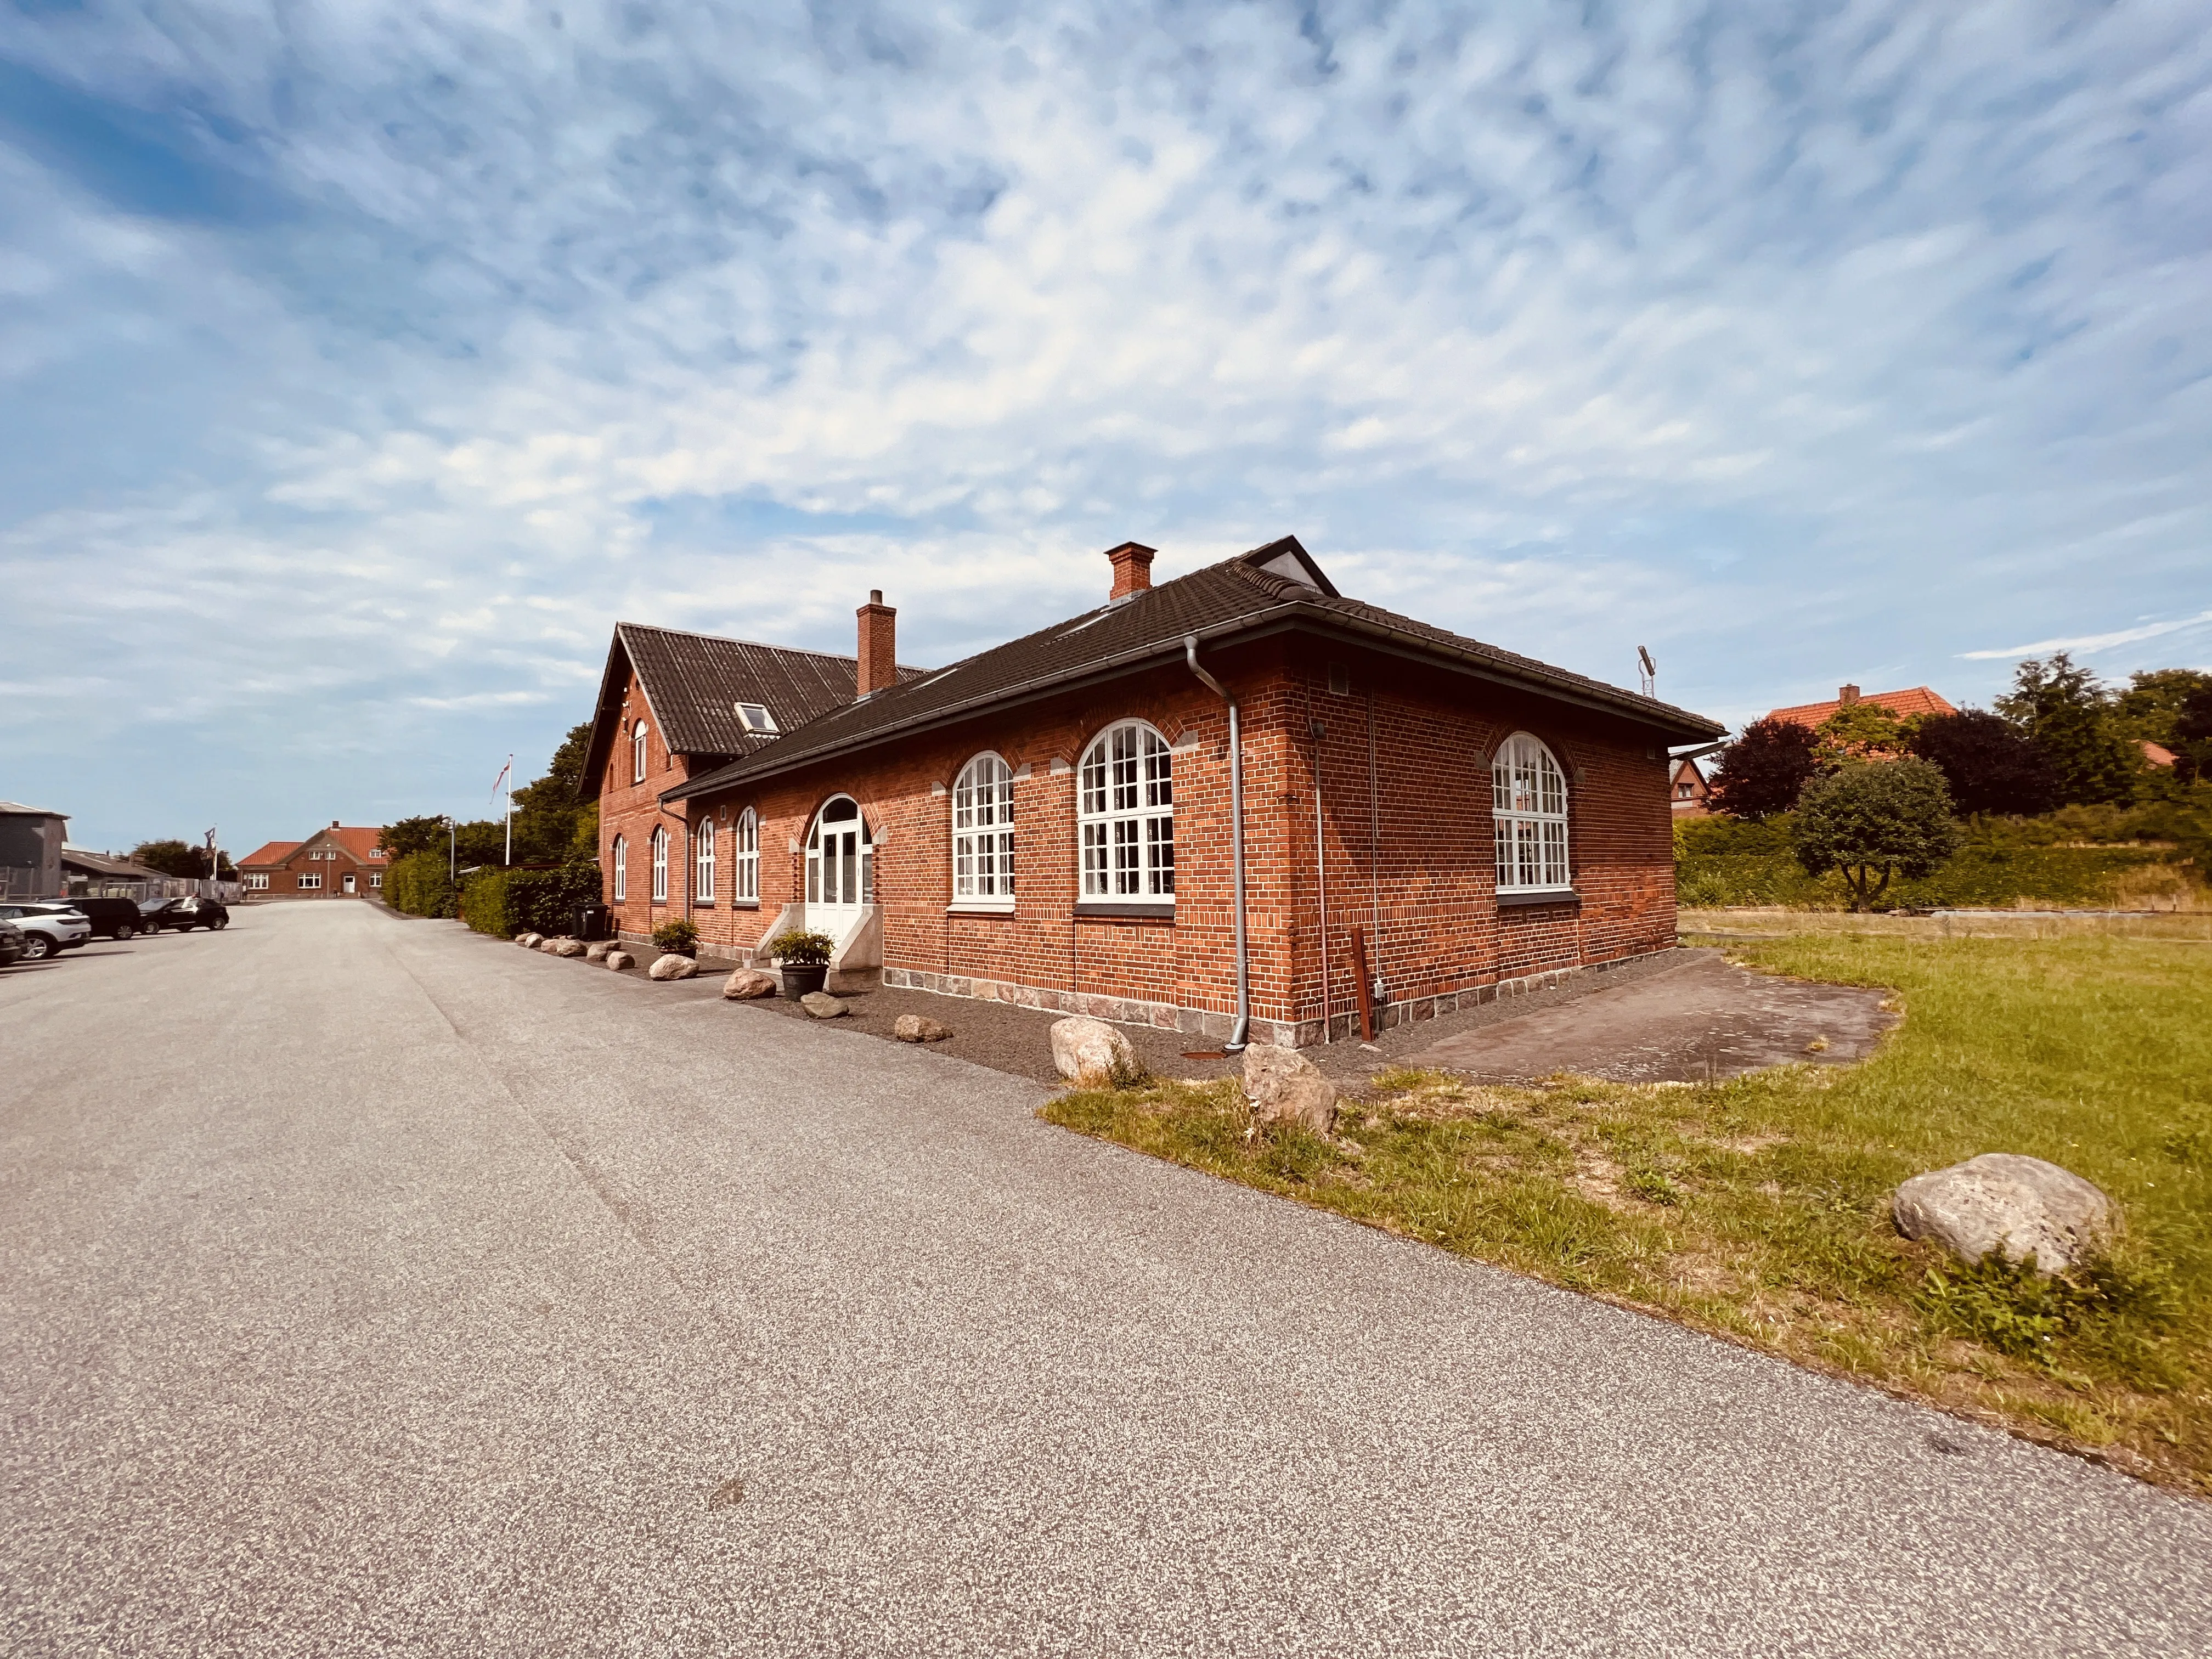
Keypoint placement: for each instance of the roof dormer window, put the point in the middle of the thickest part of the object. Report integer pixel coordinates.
(756, 717)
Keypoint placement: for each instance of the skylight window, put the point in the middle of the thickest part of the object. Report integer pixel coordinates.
(756, 718)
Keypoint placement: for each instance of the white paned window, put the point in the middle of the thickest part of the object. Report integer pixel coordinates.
(703, 889)
(376, 879)
(1529, 811)
(1125, 810)
(257, 883)
(661, 866)
(310, 884)
(744, 857)
(983, 832)
(637, 753)
(621, 869)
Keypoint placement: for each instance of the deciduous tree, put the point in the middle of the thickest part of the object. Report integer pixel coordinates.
(1987, 765)
(1874, 820)
(1761, 772)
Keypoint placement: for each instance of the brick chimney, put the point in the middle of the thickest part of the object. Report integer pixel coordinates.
(878, 644)
(1847, 695)
(1133, 568)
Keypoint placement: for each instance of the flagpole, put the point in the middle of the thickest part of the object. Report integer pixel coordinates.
(509, 775)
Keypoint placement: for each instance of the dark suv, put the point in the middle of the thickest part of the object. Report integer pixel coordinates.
(112, 918)
(185, 913)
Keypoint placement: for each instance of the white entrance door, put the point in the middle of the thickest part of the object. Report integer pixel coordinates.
(348, 882)
(841, 857)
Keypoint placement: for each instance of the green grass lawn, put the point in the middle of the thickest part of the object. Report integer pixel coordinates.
(1757, 1209)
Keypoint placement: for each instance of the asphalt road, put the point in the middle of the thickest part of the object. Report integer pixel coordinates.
(370, 1287)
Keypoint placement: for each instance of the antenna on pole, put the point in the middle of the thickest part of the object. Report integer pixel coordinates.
(1648, 681)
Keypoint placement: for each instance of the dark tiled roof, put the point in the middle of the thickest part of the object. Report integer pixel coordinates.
(694, 683)
(1240, 595)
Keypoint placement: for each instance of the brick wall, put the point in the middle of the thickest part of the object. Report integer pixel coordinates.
(1409, 858)
(630, 809)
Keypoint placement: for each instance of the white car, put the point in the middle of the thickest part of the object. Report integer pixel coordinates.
(48, 929)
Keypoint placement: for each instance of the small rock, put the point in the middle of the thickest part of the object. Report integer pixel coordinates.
(600, 950)
(820, 1005)
(530, 941)
(563, 947)
(618, 960)
(919, 1028)
(1369, 1048)
(748, 982)
(2036, 1211)
(1091, 1054)
(1285, 1087)
(672, 966)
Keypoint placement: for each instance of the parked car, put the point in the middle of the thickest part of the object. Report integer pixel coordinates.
(11, 945)
(48, 929)
(112, 918)
(185, 913)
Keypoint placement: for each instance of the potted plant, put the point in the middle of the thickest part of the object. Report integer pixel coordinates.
(802, 960)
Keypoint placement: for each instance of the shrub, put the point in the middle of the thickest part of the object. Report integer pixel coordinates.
(1874, 820)
(802, 950)
(1989, 765)
(676, 937)
(417, 884)
(505, 902)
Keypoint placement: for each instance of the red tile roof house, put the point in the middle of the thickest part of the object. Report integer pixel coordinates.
(344, 861)
(1054, 822)
(1914, 700)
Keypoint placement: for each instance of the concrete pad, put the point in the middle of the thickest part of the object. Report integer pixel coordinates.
(1700, 1018)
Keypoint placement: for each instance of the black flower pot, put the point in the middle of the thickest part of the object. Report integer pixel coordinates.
(800, 977)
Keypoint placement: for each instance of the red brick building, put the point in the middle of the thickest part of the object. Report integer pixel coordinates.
(344, 861)
(674, 705)
(1051, 822)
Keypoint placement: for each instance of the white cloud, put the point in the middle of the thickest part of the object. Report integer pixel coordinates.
(2094, 641)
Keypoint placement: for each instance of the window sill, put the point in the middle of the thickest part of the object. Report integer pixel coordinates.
(1111, 911)
(745, 904)
(1549, 895)
(980, 907)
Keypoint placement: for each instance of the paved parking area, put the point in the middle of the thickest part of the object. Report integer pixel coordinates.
(369, 1287)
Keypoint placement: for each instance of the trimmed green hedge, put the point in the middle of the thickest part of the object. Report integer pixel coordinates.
(417, 884)
(505, 902)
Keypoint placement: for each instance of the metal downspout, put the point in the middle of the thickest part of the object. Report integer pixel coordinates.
(1240, 1036)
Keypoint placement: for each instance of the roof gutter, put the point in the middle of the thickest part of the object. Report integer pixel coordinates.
(1240, 1036)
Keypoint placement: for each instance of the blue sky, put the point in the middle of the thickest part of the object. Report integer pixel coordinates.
(363, 363)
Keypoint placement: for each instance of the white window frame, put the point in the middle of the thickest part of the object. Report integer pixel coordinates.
(702, 862)
(983, 835)
(1528, 816)
(259, 883)
(637, 753)
(746, 711)
(744, 859)
(1125, 818)
(621, 856)
(311, 883)
(866, 849)
(660, 864)
(376, 879)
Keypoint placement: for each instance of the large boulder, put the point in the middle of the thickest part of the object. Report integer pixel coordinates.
(1285, 1087)
(919, 1028)
(747, 983)
(618, 960)
(600, 950)
(672, 966)
(2033, 1209)
(563, 947)
(820, 1005)
(1091, 1054)
(530, 941)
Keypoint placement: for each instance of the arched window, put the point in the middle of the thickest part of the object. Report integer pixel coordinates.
(702, 888)
(637, 753)
(621, 869)
(744, 857)
(1529, 811)
(841, 857)
(1125, 807)
(983, 832)
(660, 865)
